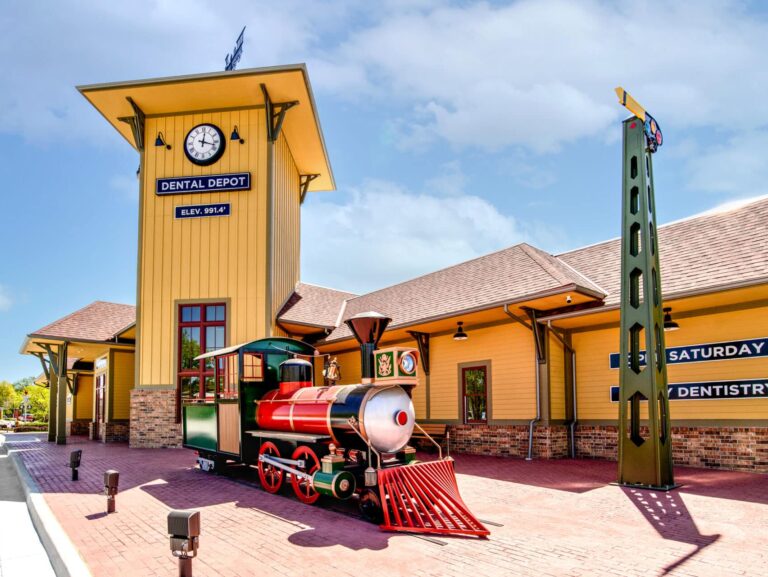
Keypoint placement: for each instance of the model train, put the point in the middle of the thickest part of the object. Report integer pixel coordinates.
(342, 441)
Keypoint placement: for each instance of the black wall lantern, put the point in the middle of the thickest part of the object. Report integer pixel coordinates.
(236, 136)
(460, 335)
(160, 141)
(669, 324)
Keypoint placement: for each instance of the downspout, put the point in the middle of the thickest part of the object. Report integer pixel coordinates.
(572, 424)
(537, 418)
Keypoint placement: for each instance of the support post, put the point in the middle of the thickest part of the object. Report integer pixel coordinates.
(645, 455)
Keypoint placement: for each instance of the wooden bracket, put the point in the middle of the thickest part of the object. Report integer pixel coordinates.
(422, 341)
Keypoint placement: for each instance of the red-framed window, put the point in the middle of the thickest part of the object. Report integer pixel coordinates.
(475, 392)
(201, 329)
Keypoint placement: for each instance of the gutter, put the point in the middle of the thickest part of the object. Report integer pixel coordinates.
(537, 418)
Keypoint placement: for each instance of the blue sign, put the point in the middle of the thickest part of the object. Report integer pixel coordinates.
(742, 389)
(211, 183)
(746, 349)
(200, 210)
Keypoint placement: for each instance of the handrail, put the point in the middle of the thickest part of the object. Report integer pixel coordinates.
(352, 422)
(428, 436)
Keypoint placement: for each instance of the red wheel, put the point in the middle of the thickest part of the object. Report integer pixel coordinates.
(303, 487)
(270, 476)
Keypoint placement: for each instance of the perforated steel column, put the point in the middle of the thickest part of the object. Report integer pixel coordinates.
(645, 454)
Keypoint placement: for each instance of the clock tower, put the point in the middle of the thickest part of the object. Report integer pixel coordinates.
(226, 160)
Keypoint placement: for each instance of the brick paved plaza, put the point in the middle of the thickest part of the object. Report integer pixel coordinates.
(558, 518)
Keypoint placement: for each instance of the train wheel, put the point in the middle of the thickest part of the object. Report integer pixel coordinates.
(270, 476)
(370, 506)
(303, 487)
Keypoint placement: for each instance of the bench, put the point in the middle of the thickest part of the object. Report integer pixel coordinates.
(438, 431)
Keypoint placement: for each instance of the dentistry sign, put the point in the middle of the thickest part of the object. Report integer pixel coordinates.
(711, 390)
(725, 351)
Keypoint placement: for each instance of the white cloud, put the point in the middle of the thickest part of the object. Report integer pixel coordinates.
(5, 299)
(541, 73)
(736, 166)
(382, 234)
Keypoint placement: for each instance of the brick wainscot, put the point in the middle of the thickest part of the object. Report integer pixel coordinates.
(153, 418)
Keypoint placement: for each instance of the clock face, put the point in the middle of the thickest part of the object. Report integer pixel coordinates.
(205, 144)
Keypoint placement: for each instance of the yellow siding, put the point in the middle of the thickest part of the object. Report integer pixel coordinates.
(287, 222)
(350, 367)
(122, 382)
(70, 406)
(509, 348)
(595, 377)
(201, 258)
(556, 379)
(84, 397)
(419, 395)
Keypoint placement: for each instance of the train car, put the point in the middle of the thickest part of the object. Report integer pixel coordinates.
(341, 441)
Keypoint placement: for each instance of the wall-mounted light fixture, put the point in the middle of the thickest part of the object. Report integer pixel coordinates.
(669, 324)
(236, 135)
(160, 141)
(460, 335)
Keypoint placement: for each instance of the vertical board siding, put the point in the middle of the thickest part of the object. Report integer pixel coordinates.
(123, 380)
(84, 399)
(556, 379)
(513, 386)
(595, 377)
(201, 258)
(286, 226)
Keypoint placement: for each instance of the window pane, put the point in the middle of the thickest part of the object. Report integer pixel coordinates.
(210, 388)
(190, 347)
(190, 387)
(253, 368)
(475, 395)
(214, 339)
(214, 313)
(190, 314)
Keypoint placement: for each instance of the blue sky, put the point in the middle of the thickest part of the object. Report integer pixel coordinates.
(471, 126)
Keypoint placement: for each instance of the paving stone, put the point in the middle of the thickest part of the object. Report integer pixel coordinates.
(559, 518)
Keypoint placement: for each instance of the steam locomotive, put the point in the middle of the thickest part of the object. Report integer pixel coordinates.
(342, 441)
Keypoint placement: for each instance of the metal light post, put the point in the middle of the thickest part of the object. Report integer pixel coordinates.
(111, 479)
(184, 532)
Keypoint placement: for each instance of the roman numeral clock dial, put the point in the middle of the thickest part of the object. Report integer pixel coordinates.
(204, 144)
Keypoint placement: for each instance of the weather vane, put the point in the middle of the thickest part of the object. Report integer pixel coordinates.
(232, 59)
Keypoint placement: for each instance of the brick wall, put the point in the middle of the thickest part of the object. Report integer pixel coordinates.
(153, 419)
(112, 432)
(733, 448)
(549, 442)
(78, 427)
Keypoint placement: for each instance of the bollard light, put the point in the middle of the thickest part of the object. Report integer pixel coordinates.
(111, 478)
(184, 532)
(74, 462)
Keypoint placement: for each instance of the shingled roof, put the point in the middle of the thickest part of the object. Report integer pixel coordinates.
(698, 254)
(99, 321)
(314, 306)
(518, 272)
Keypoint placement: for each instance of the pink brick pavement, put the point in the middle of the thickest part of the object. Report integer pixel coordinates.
(560, 518)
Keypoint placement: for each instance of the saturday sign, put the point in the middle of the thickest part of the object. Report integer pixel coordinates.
(211, 183)
(745, 349)
(742, 389)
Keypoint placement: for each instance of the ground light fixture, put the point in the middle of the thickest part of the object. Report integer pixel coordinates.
(74, 462)
(160, 141)
(669, 324)
(460, 335)
(236, 135)
(184, 532)
(111, 479)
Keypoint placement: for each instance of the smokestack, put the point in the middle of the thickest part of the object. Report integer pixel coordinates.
(368, 328)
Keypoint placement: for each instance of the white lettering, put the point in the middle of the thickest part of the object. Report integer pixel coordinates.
(744, 350)
(682, 392)
(733, 390)
(731, 350)
(706, 353)
(758, 347)
(695, 353)
(672, 356)
(684, 356)
(706, 391)
(718, 352)
(694, 391)
(758, 389)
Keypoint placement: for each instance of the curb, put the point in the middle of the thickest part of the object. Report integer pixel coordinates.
(65, 559)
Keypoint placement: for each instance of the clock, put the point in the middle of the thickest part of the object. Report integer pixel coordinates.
(204, 144)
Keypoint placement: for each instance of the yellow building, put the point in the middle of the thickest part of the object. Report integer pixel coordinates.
(517, 347)
(97, 343)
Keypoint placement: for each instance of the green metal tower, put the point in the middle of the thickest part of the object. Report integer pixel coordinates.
(645, 453)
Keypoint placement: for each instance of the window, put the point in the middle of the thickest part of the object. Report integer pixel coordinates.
(201, 329)
(227, 375)
(475, 391)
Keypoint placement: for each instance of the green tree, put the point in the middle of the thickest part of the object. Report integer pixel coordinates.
(22, 384)
(38, 402)
(10, 399)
